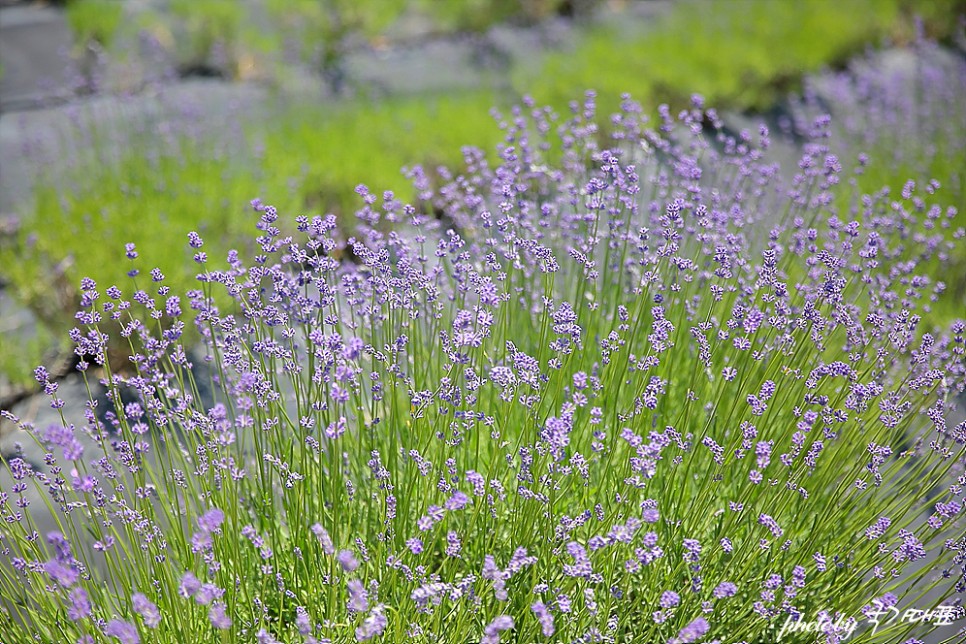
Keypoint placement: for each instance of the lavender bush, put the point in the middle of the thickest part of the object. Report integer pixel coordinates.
(623, 386)
(900, 111)
(900, 115)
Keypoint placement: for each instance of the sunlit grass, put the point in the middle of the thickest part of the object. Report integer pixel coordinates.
(741, 54)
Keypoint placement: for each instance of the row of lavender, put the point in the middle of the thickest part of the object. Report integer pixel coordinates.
(635, 385)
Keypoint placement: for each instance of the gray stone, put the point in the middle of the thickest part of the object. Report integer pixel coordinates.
(34, 46)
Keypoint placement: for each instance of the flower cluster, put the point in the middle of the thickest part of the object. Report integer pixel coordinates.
(613, 383)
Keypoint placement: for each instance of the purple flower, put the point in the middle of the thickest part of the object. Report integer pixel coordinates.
(564, 604)
(669, 599)
(878, 528)
(692, 550)
(58, 435)
(581, 566)
(146, 609)
(771, 524)
(453, 545)
(347, 560)
(519, 561)
(303, 622)
(491, 634)
(373, 625)
(201, 541)
(64, 574)
(211, 520)
(650, 515)
(580, 293)
(336, 429)
(358, 597)
(820, 562)
(80, 604)
(493, 573)
(556, 434)
(218, 617)
(353, 348)
(693, 631)
(189, 585)
(725, 589)
(545, 617)
(126, 632)
(324, 539)
(208, 593)
(457, 501)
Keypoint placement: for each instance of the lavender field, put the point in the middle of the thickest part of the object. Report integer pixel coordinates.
(683, 362)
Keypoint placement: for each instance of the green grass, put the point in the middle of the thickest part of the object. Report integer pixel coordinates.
(305, 160)
(94, 20)
(317, 160)
(19, 356)
(206, 24)
(742, 54)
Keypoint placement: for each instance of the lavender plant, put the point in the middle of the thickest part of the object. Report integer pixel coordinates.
(901, 111)
(899, 114)
(635, 388)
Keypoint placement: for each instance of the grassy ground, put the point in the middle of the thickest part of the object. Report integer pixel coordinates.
(741, 54)
(300, 161)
